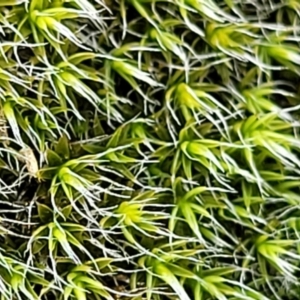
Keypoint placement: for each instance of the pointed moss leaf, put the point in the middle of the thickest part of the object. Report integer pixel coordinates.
(66, 211)
(2, 164)
(38, 246)
(102, 262)
(219, 271)
(98, 129)
(89, 175)
(79, 293)
(38, 279)
(118, 135)
(53, 158)
(92, 148)
(67, 292)
(62, 147)
(45, 213)
(181, 272)
(80, 57)
(167, 275)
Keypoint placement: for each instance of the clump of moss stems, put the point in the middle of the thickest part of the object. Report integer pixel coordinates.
(149, 149)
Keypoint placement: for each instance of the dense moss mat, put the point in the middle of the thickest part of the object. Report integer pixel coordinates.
(149, 149)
